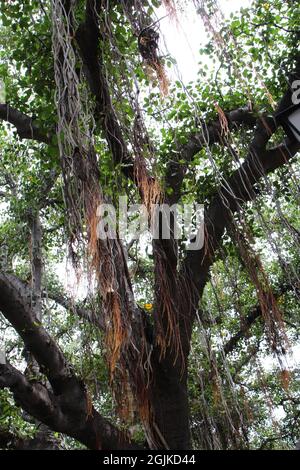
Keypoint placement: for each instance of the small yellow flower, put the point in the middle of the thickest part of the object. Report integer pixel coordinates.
(267, 6)
(148, 306)
(280, 300)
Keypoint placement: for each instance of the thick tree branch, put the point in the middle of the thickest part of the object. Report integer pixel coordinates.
(68, 409)
(25, 125)
(33, 397)
(88, 37)
(230, 196)
(238, 189)
(16, 306)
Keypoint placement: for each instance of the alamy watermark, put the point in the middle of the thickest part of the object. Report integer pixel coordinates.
(296, 92)
(180, 221)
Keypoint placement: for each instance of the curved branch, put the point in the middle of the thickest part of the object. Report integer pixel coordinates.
(33, 397)
(82, 312)
(229, 197)
(69, 408)
(16, 306)
(25, 125)
(238, 189)
(251, 318)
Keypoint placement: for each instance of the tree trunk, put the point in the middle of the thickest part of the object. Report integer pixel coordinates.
(170, 403)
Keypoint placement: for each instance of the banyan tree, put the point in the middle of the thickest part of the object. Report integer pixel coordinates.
(112, 342)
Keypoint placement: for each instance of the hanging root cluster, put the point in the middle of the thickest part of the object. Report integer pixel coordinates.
(75, 114)
(167, 297)
(127, 350)
(148, 46)
(171, 8)
(271, 313)
(223, 413)
(168, 334)
(148, 186)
